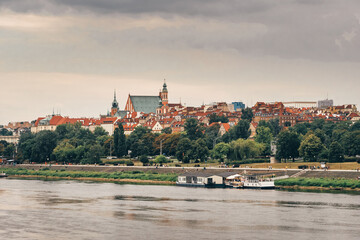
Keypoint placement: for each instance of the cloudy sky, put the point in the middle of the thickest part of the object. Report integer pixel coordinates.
(70, 55)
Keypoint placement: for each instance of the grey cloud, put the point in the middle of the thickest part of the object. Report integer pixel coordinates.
(187, 7)
(294, 29)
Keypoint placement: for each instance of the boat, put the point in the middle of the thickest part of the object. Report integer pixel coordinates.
(2, 175)
(256, 183)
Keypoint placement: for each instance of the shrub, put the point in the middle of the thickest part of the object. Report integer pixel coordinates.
(144, 159)
(161, 159)
(303, 166)
(129, 163)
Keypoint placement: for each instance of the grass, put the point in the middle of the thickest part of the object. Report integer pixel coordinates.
(291, 165)
(88, 174)
(319, 182)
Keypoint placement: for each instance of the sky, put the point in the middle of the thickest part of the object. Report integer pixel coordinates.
(68, 56)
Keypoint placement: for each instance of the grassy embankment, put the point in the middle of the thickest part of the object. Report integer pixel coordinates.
(319, 183)
(295, 165)
(130, 177)
(213, 163)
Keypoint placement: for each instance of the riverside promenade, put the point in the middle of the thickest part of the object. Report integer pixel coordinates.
(318, 173)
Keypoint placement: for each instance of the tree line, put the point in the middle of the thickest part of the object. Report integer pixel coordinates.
(319, 140)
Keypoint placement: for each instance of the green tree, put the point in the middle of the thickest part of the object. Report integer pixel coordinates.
(144, 159)
(167, 130)
(99, 131)
(264, 136)
(93, 155)
(355, 126)
(193, 129)
(242, 149)
(275, 126)
(65, 152)
(221, 151)
(247, 114)
(200, 150)
(9, 151)
(169, 143)
(336, 152)
(161, 159)
(212, 135)
(216, 118)
(45, 143)
(311, 147)
(351, 143)
(287, 145)
(184, 150)
(116, 141)
(122, 148)
(317, 124)
(240, 130)
(5, 132)
(300, 128)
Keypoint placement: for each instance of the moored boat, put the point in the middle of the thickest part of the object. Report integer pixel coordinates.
(256, 183)
(2, 175)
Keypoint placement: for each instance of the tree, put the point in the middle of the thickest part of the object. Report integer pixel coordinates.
(193, 129)
(317, 124)
(247, 114)
(140, 142)
(2, 148)
(184, 150)
(122, 148)
(351, 143)
(355, 126)
(221, 151)
(264, 136)
(300, 128)
(275, 126)
(287, 145)
(311, 147)
(161, 159)
(99, 131)
(45, 143)
(240, 130)
(144, 159)
(200, 150)
(320, 134)
(9, 150)
(167, 130)
(116, 141)
(336, 152)
(170, 143)
(93, 155)
(216, 118)
(5, 132)
(212, 135)
(65, 152)
(243, 149)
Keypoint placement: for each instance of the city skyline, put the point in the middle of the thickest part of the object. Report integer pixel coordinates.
(71, 56)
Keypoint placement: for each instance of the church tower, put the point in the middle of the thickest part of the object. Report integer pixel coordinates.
(164, 95)
(115, 105)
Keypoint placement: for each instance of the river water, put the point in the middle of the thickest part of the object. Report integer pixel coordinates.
(36, 209)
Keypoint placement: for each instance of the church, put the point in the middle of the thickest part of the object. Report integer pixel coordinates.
(145, 104)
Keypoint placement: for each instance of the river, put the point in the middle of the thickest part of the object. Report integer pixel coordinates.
(37, 209)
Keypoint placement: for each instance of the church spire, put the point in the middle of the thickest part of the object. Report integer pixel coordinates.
(164, 86)
(115, 103)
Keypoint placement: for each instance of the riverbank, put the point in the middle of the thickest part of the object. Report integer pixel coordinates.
(112, 180)
(312, 188)
(138, 177)
(319, 184)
